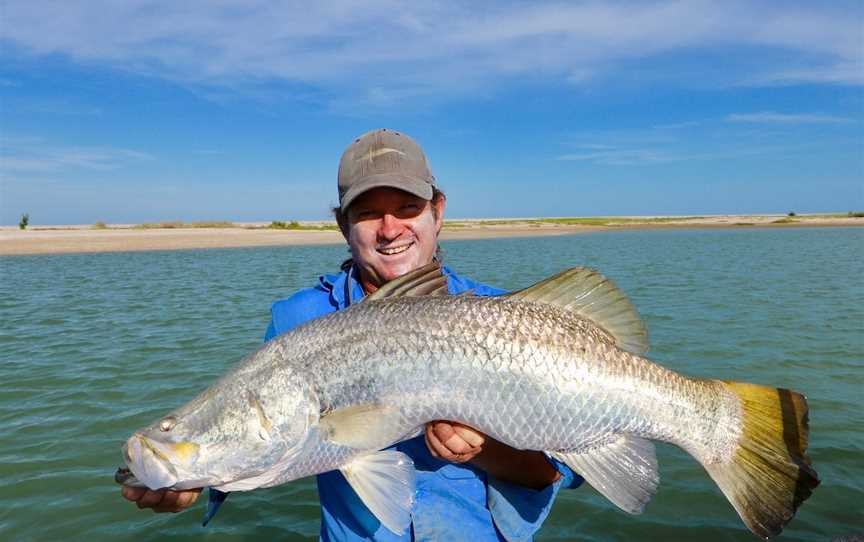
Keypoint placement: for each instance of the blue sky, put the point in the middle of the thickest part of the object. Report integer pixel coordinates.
(158, 110)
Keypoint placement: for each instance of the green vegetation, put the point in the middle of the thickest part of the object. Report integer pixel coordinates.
(213, 224)
(570, 221)
(598, 221)
(158, 225)
(24, 222)
(577, 221)
(850, 214)
(294, 225)
(279, 225)
(176, 224)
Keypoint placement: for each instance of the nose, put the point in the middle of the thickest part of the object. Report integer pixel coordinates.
(391, 227)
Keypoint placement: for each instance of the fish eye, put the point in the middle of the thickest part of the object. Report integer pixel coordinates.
(167, 423)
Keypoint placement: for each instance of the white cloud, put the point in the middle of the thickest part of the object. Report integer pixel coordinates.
(59, 107)
(34, 155)
(622, 157)
(736, 136)
(677, 125)
(836, 73)
(384, 51)
(771, 117)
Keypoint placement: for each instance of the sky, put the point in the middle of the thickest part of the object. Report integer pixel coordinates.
(152, 110)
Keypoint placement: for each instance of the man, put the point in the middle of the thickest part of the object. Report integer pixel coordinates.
(468, 484)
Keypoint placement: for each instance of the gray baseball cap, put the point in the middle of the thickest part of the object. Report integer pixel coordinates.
(383, 158)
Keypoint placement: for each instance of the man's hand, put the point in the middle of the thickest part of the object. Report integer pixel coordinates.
(454, 442)
(161, 500)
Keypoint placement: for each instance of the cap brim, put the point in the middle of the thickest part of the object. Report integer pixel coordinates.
(412, 185)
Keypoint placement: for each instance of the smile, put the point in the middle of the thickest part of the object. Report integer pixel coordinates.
(394, 250)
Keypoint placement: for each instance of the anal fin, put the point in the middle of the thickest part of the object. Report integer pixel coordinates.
(624, 470)
(385, 481)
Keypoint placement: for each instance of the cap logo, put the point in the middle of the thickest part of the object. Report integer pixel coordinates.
(379, 152)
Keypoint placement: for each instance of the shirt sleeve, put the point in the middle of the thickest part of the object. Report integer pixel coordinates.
(301, 307)
(518, 512)
(271, 330)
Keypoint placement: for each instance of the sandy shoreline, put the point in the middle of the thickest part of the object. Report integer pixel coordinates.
(84, 239)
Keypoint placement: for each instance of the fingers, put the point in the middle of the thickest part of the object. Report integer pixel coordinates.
(177, 501)
(436, 448)
(451, 441)
(150, 499)
(469, 435)
(161, 500)
(132, 493)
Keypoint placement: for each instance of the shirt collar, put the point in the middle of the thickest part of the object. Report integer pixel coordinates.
(338, 285)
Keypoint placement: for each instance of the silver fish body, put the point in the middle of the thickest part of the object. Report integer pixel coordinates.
(530, 370)
(528, 375)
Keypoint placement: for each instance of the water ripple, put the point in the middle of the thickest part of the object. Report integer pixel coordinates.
(92, 346)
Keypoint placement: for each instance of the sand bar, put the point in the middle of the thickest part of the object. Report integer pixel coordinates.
(83, 239)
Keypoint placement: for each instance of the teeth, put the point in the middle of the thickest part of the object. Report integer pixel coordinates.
(392, 251)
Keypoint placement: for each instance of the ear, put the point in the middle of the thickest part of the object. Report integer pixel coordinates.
(342, 222)
(438, 205)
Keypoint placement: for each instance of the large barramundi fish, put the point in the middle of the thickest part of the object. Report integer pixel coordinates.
(556, 367)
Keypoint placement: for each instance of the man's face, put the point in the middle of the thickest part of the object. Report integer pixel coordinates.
(391, 232)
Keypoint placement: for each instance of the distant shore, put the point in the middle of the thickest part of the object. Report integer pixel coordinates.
(179, 236)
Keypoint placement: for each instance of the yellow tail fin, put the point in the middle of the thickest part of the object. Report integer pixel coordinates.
(770, 474)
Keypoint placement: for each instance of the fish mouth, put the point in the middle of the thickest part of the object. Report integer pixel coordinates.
(150, 462)
(124, 477)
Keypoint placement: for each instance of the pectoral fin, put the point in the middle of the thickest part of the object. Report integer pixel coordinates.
(623, 469)
(366, 427)
(385, 482)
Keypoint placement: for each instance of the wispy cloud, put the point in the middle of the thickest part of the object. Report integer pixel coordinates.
(622, 157)
(677, 125)
(34, 155)
(735, 136)
(385, 52)
(649, 156)
(59, 107)
(771, 117)
(842, 72)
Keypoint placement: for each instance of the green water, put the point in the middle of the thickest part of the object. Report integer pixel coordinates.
(93, 346)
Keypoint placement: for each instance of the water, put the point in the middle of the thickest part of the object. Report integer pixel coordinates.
(93, 346)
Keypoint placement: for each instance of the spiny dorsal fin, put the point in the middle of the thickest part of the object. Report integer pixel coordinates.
(589, 294)
(426, 280)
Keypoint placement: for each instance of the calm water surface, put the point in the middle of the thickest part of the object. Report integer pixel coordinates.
(94, 346)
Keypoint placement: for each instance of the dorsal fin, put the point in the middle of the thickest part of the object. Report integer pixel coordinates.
(592, 296)
(426, 280)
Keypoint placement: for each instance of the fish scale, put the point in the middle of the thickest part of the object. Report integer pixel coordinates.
(423, 363)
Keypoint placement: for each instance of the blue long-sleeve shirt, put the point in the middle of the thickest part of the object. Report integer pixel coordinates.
(454, 501)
